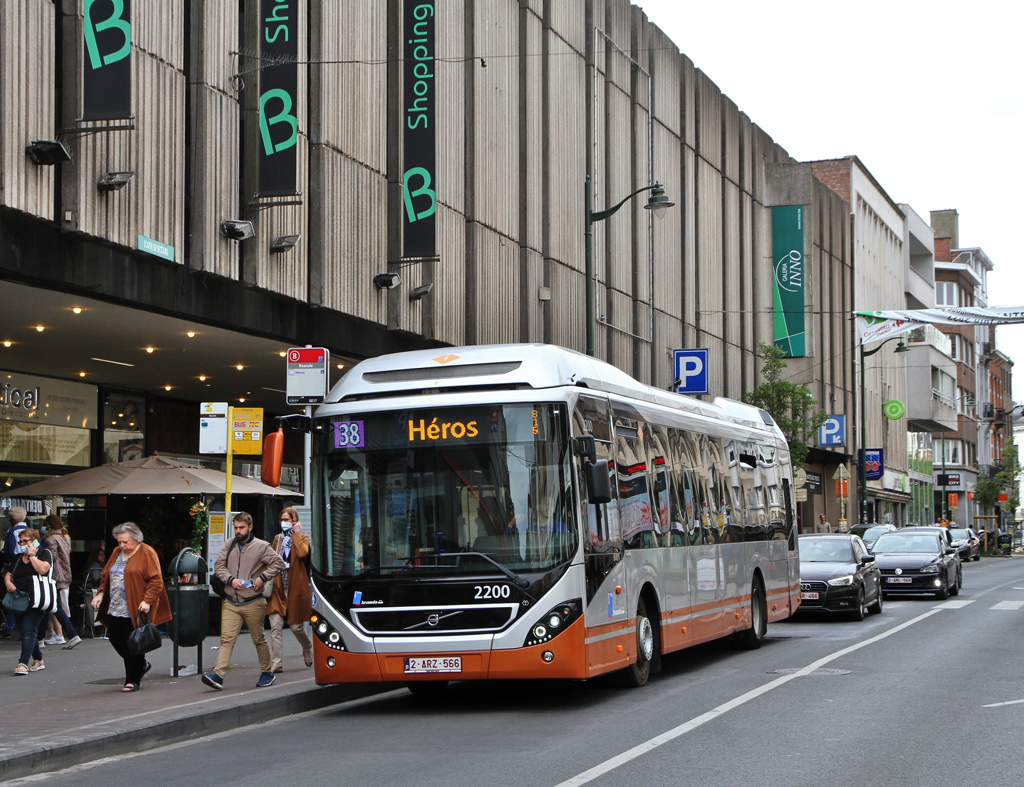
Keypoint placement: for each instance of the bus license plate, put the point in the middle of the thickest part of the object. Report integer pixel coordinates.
(443, 664)
(809, 596)
(899, 580)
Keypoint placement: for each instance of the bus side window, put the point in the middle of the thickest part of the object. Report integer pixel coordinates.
(601, 543)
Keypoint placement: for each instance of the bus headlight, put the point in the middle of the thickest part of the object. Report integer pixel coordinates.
(553, 622)
(326, 633)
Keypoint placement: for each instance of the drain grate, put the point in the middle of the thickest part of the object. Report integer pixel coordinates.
(825, 672)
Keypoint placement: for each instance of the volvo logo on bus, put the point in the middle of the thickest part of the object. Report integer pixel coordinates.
(433, 619)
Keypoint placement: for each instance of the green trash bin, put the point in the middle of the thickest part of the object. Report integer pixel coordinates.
(190, 601)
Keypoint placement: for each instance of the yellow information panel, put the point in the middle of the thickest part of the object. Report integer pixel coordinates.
(247, 430)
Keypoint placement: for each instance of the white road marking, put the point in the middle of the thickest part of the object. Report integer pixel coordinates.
(676, 732)
(1011, 605)
(959, 603)
(1001, 704)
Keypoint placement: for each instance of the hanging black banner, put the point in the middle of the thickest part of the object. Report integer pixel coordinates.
(419, 183)
(279, 125)
(107, 60)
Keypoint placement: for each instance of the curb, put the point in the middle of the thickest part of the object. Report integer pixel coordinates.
(55, 757)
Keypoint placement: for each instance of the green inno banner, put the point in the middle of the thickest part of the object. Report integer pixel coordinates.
(788, 261)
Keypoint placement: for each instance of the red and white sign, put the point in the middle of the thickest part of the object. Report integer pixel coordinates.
(307, 375)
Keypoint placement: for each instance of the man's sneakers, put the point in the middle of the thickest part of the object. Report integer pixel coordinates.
(54, 639)
(266, 679)
(213, 680)
(72, 642)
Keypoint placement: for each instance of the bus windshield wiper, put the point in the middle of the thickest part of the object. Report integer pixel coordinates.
(521, 581)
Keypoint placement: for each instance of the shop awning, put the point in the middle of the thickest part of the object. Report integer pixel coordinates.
(153, 475)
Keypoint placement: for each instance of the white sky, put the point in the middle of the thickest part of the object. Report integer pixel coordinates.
(928, 95)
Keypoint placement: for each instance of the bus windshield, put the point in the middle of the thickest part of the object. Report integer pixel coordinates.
(412, 492)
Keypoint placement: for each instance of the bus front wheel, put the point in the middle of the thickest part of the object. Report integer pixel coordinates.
(635, 675)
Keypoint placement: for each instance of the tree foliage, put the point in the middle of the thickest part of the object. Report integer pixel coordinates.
(791, 405)
(987, 490)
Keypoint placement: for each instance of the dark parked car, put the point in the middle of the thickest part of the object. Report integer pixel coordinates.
(868, 533)
(967, 542)
(838, 574)
(915, 560)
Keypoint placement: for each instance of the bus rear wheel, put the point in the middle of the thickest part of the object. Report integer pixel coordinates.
(635, 675)
(752, 638)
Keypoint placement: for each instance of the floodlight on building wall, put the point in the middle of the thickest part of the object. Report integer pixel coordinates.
(421, 292)
(47, 152)
(284, 243)
(235, 229)
(114, 181)
(387, 281)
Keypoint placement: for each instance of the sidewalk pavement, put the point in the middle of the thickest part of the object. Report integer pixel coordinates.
(74, 711)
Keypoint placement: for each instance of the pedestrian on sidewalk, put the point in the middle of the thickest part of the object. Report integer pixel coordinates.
(823, 526)
(11, 550)
(291, 598)
(62, 632)
(32, 561)
(244, 565)
(131, 583)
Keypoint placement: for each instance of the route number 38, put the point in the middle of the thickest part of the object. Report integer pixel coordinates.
(349, 434)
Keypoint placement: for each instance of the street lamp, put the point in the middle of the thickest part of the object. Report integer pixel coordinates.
(900, 348)
(658, 203)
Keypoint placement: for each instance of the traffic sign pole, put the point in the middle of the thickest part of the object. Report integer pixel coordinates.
(231, 456)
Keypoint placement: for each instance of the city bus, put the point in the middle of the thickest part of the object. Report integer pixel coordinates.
(525, 511)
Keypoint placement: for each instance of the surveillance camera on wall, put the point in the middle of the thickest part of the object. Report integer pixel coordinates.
(387, 281)
(233, 229)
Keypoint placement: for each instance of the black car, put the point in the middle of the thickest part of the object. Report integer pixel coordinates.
(868, 533)
(838, 574)
(917, 561)
(967, 542)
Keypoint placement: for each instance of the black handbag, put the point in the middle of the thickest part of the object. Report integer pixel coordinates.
(17, 602)
(144, 637)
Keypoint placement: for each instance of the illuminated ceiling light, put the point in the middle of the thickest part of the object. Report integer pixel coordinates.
(40, 328)
(202, 378)
(81, 374)
(241, 398)
(190, 334)
(9, 481)
(341, 366)
(240, 367)
(77, 310)
(167, 387)
(283, 354)
(149, 349)
(8, 343)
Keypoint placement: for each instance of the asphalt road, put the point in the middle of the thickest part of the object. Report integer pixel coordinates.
(928, 692)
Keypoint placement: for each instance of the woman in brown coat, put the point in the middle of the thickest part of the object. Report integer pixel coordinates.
(131, 583)
(291, 597)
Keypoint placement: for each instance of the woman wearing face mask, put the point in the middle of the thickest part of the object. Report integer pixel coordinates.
(32, 560)
(291, 597)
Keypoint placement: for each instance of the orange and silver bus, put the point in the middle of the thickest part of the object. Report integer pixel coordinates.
(525, 511)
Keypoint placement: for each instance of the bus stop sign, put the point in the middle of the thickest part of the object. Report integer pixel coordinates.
(307, 375)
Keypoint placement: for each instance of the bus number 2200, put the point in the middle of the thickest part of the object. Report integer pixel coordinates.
(491, 591)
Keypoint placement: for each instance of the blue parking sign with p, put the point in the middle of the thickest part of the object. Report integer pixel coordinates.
(833, 431)
(691, 371)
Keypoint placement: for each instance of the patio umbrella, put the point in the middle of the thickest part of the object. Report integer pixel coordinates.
(153, 475)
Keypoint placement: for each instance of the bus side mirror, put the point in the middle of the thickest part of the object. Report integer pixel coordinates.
(585, 446)
(599, 484)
